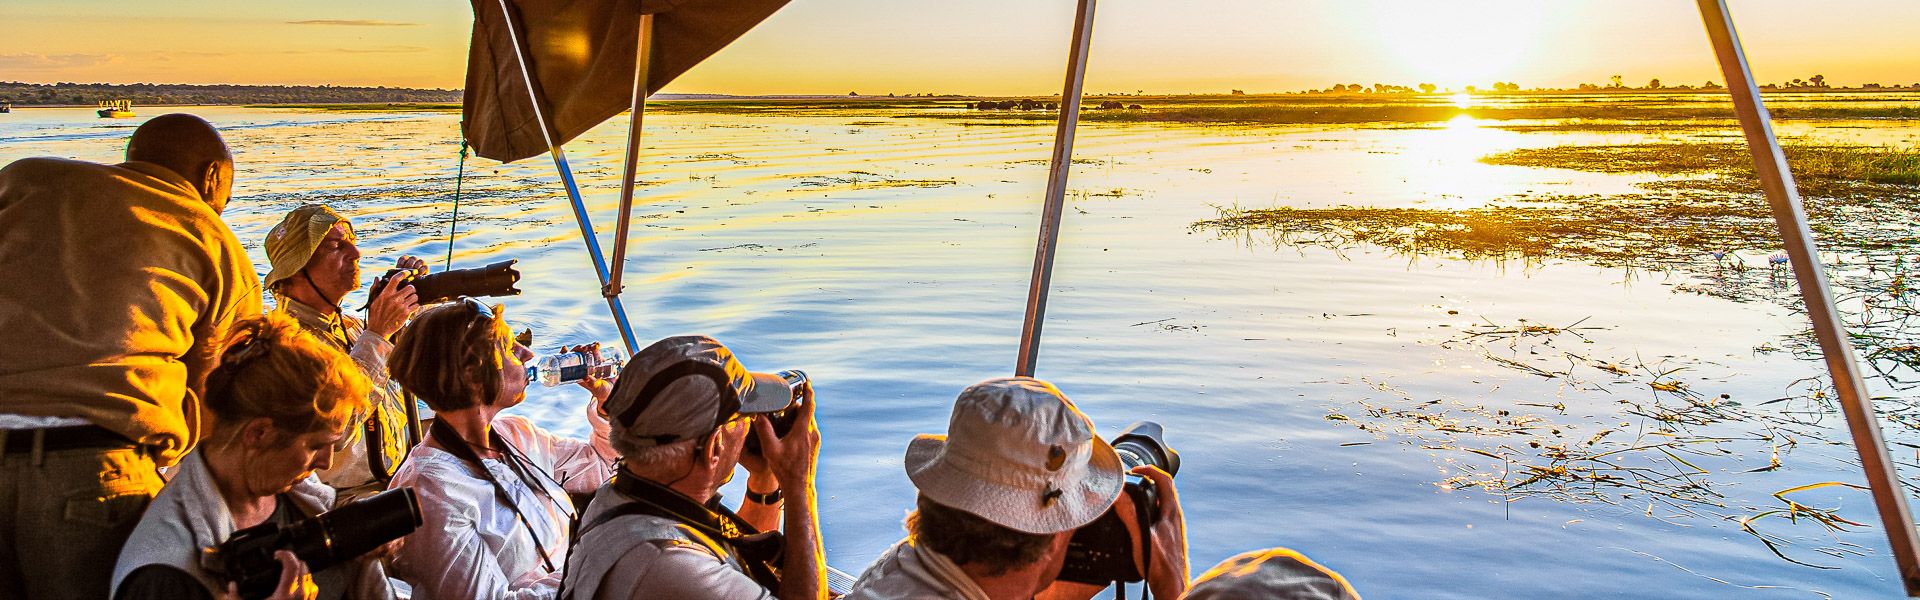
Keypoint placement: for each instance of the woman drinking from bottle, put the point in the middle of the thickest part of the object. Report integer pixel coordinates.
(493, 489)
(281, 401)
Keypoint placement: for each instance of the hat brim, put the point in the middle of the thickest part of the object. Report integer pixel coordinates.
(1012, 507)
(768, 394)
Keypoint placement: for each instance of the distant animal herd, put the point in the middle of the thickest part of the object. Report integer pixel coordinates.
(1031, 104)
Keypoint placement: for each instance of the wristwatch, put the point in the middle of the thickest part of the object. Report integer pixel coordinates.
(768, 498)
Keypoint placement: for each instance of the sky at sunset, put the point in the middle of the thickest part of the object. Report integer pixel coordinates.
(997, 46)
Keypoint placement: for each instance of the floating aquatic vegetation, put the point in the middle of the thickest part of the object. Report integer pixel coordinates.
(864, 179)
(1668, 452)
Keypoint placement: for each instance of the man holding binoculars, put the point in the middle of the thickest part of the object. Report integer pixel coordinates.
(1004, 495)
(316, 263)
(681, 413)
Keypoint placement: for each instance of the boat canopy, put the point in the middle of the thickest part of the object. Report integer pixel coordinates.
(581, 55)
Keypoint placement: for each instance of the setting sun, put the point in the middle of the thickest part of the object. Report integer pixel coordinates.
(1457, 44)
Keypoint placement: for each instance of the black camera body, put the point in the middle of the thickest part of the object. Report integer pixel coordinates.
(322, 541)
(783, 419)
(496, 279)
(1103, 551)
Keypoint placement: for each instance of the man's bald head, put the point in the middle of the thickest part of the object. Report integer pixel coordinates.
(190, 146)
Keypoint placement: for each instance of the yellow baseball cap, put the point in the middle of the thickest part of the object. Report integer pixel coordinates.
(291, 243)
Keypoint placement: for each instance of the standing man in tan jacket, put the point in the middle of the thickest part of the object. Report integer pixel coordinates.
(120, 280)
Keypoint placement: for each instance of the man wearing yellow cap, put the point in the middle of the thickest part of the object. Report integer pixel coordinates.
(315, 265)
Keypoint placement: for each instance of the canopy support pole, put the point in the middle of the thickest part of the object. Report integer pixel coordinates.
(643, 57)
(1056, 191)
(566, 178)
(1777, 179)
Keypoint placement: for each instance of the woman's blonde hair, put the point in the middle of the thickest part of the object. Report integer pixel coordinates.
(269, 367)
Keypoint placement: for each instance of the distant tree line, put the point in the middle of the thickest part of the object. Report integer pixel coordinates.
(44, 94)
(1616, 83)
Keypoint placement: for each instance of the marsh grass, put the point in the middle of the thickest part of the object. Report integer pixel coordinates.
(1820, 170)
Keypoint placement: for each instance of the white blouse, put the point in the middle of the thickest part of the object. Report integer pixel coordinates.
(471, 545)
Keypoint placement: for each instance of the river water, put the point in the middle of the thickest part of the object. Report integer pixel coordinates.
(889, 258)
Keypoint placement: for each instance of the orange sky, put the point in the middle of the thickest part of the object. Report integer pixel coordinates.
(998, 46)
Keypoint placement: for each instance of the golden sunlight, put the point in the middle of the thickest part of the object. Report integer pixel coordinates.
(1459, 44)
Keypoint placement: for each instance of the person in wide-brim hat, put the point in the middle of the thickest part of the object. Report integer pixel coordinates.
(315, 262)
(1019, 470)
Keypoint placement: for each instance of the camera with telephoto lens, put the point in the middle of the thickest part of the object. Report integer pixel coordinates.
(784, 418)
(325, 540)
(496, 279)
(1103, 551)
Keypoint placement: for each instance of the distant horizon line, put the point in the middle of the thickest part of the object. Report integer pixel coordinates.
(1356, 89)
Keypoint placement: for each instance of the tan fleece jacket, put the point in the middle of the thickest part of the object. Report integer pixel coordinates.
(118, 281)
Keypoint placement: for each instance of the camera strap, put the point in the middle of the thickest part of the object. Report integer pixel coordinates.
(760, 552)
(452, 442)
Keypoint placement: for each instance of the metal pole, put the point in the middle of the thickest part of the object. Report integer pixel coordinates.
(643, 56)
(566, 178)
(1771, 165)
(1056, 192)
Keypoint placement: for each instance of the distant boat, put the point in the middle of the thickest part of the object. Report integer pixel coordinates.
(117, 109)
(6, 107)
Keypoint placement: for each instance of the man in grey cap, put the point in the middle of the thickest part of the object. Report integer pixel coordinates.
(1001, 495)
(680, 413)
(1271, 574)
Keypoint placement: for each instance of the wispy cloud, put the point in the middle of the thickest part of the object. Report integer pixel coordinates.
(40, 62)
(383, 50)
(353, 23)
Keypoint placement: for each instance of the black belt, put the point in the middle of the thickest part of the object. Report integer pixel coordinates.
(66, 438)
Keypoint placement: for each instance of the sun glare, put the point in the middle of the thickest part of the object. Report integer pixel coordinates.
(1463, 100)
(1458, 44)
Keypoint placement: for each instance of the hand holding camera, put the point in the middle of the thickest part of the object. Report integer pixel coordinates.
(1143, 535)
(788, 440)
(1167, 570)
(394, 301)
(272, 561)
(296, 582)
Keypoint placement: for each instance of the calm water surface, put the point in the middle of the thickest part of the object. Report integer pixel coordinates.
(889, 258)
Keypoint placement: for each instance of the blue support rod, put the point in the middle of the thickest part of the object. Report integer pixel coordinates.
(566, 177)
(593, 248)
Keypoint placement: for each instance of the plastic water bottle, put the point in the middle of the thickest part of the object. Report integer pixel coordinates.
(561, 368)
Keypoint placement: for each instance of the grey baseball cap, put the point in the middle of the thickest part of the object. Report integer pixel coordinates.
(684, 387)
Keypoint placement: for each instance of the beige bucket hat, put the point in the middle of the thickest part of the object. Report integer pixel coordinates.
(1271, 574)
(291, 243)
(1018, 454)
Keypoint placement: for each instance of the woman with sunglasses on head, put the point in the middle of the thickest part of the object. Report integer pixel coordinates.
(493, 489)
(281, 401)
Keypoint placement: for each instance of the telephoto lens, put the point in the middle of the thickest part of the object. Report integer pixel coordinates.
(782, 419)
(325, 540)
(1144, 443)
(496, 279)
(1102, 552)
